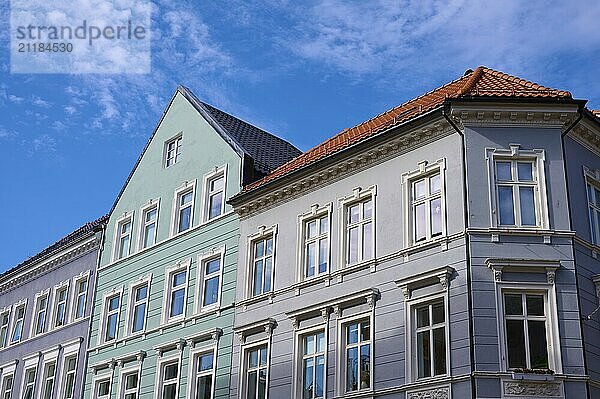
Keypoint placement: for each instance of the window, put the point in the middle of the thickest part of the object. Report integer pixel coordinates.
(69, 373)
(139, 306)
(184, 210)
(111, 318)
(4, 321)
(256, 373)
(176, 293)
(169, 380)
(359, 231)
(214, 193)
(313, 365)
(123, 238)
(81, 286)
(102, 389)
(17, 332)
(49, 375)
(7, 386)
(211, 281)
(526, 330)
(316, 246)
(204, 375)
(148, 229)
(129, 385)
(29, 383)
(172, 151)
(519, 191)
(262, 265)
(429, 321)
(594, 210)
(357, 341)
(60, 306)
(41, 308)
(426, 207)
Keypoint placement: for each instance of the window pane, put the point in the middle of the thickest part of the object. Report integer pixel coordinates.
(149, 235)
(204, 387)
(527, 206)
(515, 337)
(438, 314)
(113, 303)
(252, 377)
(367, 209)
(323, 255)
(213, 266)
(103, 388)
(439, 351)
(259, 249)
(309, 345)
(535, 305)
(216, 184)
(263, 356)
(365, 331)
(253, 358)
(311, 229)
(177, 302)
(211, 291)
(423, 354)
(268, 269)
(139, 317)
(353, 245)
(169, 391)
(186, 198)
(262, 384)
(319, 376)
(506, 205)
(352, 369)
(311, 255)
(423, 316)
(503, 171)
(216, 202)
(205, 362)
(513, 304)
(324, 225)
(365, 366)
(171, 371)
(307, 376)
(597, 196)
(420, 222)
(367, 241)
(141, 293)
(179, 278)
(269, 246)
(419, 189)
(258, 277)
(131, 381)
(538, 348)
(151, 215)
(354, 213)
(436, 217)
(434, 184)
(184, 218)
(525, 171)
(352, 334)
(321, 342)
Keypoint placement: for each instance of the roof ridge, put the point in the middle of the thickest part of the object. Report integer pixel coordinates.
(472, 81)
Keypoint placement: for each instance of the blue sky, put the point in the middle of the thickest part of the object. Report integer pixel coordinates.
(302, 70)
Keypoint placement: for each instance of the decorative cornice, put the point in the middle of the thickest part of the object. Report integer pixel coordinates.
(267, 326)
(31, 272)
(432, 393)
(532, 389)
(500, 115)
(498, 265)
(440, 275)
(346, 166)
(587, 134)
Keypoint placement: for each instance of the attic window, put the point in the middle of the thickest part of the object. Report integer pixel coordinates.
(172, 151)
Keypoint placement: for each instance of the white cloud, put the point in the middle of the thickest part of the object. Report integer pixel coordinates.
(40, 102)
(43, 144)
(15, 99)
(70, 110)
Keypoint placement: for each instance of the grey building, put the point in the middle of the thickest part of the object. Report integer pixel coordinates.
(441, 249)
(45, 307)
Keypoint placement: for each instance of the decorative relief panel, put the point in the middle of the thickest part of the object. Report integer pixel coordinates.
(434, 393)
(532, 389)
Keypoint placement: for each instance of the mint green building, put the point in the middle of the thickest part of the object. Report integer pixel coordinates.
(165, 287)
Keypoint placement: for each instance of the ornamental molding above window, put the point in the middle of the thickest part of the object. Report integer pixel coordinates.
(118, 361)
(262, 326)
(213, 335)
(596, 280)
(431, 393)
(442, 275)
(500, 265)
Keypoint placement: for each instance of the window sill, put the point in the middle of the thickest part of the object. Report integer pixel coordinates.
(533, 376)
(364, 393)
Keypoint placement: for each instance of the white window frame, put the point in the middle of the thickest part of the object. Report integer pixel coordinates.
(316, 213)
(123, 373)
(359, 195)
(160, 365)
(6, 311)
(592, 178)
(152, 204)
(246, 349)
(300, 334)
(36, 313)
(49, 358)
(425, 170)
(218, 172)
(14, 320)
(55, 304)
(515, 154)
(104, 314)
(262, 234)
(341, 370)
(193, 374)
(127, 217)
(8, 371)
(178, 140)
(179, 192)
(147, 280)
(166, 306)
(30, 362)
(70, 350)
(203, 259)
(97, 380)
(25, 383)
(75, 295)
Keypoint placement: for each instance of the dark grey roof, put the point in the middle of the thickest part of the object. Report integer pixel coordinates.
(267, 150)
(84, 231)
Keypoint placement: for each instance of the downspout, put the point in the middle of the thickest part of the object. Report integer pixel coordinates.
(463, 150)
(569, 205)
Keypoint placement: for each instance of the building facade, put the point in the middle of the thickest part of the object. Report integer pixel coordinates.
(45, 308)
(163, 310)
(441, 249)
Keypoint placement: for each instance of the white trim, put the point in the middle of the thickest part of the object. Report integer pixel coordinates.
(160, 363)
(316, 212)
(123, 373)
(97, 379)
(143, 280)
(262, 234)
(34, 320)
(245, 349)
(54, 310)
(28, 367)
(68, 352)
(206, 180)
(359, 195)
(178, 145)
(340, 370)
(195, 352)
(203, 259)
(297, 366)
(84, 275)
(104, 315)
(17, 305)
(5, 311)
(127, 217)
(513, 154)
(178, 267)
(42, 385)
(181, 190)
(408, 179)
(152, 203)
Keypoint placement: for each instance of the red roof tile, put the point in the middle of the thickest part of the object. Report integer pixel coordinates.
(482, 82)
(596, 112)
